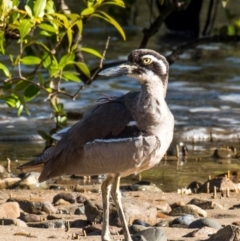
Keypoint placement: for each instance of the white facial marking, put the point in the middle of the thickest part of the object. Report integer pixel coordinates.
(159, 61)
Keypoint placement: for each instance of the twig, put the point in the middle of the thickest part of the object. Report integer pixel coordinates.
(93, 76)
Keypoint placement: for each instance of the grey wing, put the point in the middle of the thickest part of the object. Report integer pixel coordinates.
(103, 121)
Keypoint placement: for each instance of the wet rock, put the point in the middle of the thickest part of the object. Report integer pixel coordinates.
(152, 234)
(202, 233)
(48, 224)
(228, 233)
(222, 184)
(188, 209)
(184, 220)
(133, 209)
(9, 210)
(9, 183)
(69, 197)
(26, 217)
(13, 221)
(205, 222)
(162, 206)
(35, 207)
(205, 204)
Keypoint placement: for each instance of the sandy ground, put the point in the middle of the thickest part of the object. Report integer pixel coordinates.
(223, 216)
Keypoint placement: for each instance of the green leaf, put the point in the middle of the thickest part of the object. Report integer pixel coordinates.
(109, 19)
(2, 42)
(79, 24)
(69, 34)
(30, 60)
(24, 28)
(64, 19)
(5, 70)
(88, 11)
(31, 92)
(48, 27)
(66, 58)
(83, 67)
(67, 75)
(92, 51)
(20, 109)
(46, 60)
(38, 8)
(117, 3)
(28, 10)
(11, 100)
(21, 85)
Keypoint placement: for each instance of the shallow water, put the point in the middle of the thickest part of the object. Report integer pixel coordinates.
(203, 94)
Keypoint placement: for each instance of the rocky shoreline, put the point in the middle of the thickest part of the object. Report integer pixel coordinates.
(210, 211)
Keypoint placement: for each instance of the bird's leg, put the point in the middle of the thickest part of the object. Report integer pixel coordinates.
(106, 187)
(116, 195)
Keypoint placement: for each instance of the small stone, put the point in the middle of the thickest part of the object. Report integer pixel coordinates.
(135, 228)
(66, 196)
(162, 206)
(183, 220)
(228, 233)
(138, 238)
(30, 181)
(80, 210)
(163, 223)
(9, 210)
(49, 224)
(9, 183)
(153, 234)
(205, 204)
(149, 188)
(140, 222)
(205, 222)
(26, 217)
(188, 209)
(61, 202)
(13, 221)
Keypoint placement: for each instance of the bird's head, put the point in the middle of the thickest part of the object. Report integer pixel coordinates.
(145, 65)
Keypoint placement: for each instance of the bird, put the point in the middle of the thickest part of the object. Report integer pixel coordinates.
(119, 136)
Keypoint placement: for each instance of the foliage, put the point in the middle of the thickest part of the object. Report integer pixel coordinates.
(45, 42)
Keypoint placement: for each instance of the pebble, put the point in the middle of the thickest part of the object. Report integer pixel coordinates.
(9, 210)
(135, 228)
(48, 224)
(152, 234)
(188, 209)
(80, 210)
(203, 232)
(183, 220)
(205, 222)
(30, 181)
(13, 221)
(140, 222)
(69, 197)
(9, 183)
(28, 217)
(205, 204)
(162, 206)
(138, 238)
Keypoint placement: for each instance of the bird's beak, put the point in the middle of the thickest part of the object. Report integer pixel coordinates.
(119, 70)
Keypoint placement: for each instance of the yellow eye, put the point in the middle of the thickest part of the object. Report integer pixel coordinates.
(146, 61)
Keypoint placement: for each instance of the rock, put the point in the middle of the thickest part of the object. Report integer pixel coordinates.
(162, 223)
(61, 202)
(205, 204)
(30, 181)
(161, 215)
(4, 173)
(133, 209)
(193, 186)
(162, 206)
(9, 183)
(9, 210)
(35, 206)
(138, 238)
(140, 222)
(221, 183)
(184, 220)
(223, 153)
(152, 234)
(135, 228)
(80, 210)
(13, 221)
(202, 233)
(79, 223)
(205, 222)
(26, 217)
(228, 233)
(48, 224)
(70, 197)
(98, 228)
(188, 209)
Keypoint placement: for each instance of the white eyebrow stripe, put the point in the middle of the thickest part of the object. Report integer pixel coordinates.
(161, 63)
